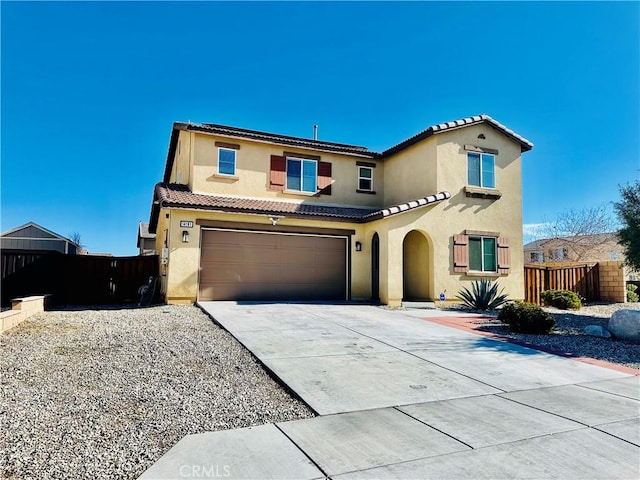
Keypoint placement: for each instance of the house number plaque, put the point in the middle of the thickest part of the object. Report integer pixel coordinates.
(186, 224)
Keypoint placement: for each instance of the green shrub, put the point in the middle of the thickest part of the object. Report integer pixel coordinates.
(632, 296)
(523, 317)
(563, 299)
(484, 295)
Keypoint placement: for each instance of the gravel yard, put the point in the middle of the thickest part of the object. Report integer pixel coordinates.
(104, 393)
(568, 335)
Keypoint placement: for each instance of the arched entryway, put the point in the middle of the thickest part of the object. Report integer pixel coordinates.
(375, 268)
(415, 266)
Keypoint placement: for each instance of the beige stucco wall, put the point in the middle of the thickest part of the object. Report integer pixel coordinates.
(452, 160)
(253, 161)
(184, 258)
(439, 223)
(435, 164)
(181, 172)
(438, 275)
(411, 173)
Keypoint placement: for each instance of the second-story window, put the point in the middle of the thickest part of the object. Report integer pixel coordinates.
(226, 161)
(365, 179)
(537, 257)
(481, 170)
(561, 253)
(302, 175)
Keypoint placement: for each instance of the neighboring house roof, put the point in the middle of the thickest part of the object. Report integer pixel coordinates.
(9, 233)
(536, 245)
(319, 145)
(595, 239)
(143, 233)
(525, 144)
(179, 196)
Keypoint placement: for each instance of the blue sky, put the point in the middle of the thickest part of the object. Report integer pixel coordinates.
(90, 90)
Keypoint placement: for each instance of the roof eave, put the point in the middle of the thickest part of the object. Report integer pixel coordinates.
(171, 153)
(525, 145)
(154, 215)
(252, 135)
(274, 213)
(408, 206)
(407, 143)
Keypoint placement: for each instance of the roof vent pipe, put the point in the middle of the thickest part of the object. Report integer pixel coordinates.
(315, 132)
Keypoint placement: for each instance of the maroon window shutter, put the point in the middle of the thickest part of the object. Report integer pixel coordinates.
(504, 256)
(278, 173)
(324, 178)
(460, 253)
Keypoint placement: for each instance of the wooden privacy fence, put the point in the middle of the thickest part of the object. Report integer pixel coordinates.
(75, 279)
(583, 279)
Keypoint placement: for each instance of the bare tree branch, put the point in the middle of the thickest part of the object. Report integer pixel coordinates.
(75, 238)
(581, 232)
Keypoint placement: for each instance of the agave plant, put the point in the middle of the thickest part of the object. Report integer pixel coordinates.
(484, 295)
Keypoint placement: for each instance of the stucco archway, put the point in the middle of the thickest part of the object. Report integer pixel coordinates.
(415, 266)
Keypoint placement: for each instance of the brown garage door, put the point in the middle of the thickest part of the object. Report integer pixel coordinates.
(237, 265)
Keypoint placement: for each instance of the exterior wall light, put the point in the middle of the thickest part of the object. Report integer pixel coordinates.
(274, 220)
(358, 246)
(185, 236)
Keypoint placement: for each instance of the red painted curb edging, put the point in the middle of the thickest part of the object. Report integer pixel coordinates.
(466, 324)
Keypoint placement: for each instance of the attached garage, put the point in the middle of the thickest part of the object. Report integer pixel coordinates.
(263, 266)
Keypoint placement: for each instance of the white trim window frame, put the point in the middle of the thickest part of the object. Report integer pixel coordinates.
(488, 261)
(302, 175)
(363, 179)
(226, 166)
(560, 253)
(481, 170)
(537, 257)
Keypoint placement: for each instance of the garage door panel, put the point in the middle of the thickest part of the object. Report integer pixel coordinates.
(267, 274)
(257, 292)
(225, 254)
(257, 266)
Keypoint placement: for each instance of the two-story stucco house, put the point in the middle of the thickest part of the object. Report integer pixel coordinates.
(249, 215)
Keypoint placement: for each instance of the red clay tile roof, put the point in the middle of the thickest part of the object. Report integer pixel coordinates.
(179, 196)
(276, 138)
(322, 146)
(176, 195)
(525, 144)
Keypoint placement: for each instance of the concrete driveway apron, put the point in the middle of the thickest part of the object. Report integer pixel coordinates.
(400, 397)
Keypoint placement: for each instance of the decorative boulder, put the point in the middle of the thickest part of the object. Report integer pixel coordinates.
(597, 331)
(625, 325)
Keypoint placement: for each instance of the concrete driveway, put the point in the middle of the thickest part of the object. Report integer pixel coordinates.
(401, 397)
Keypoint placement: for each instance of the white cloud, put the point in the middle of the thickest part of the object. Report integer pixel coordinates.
(534, 231)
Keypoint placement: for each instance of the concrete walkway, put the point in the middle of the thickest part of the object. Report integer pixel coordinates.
(401, 397)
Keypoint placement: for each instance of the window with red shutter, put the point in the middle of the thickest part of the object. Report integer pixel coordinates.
(278, 173)
(324, 178)
(460, 253)
(504, 256)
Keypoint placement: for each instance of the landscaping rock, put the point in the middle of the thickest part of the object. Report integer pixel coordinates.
(625, 325)
(104, 393)
(597, 331)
